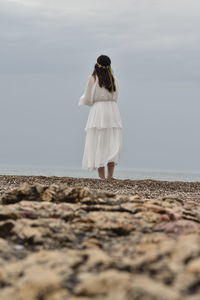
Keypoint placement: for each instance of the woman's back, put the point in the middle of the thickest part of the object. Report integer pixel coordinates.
(104, 126)
(102, 94)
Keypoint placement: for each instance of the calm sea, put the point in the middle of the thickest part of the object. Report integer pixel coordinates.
(119, 173)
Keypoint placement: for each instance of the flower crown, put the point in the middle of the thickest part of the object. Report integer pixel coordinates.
(104, 67)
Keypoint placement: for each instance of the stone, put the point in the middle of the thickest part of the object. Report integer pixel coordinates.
(71, 242)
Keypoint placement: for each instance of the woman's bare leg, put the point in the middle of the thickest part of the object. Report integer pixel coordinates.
(111, 167)
(101, 172)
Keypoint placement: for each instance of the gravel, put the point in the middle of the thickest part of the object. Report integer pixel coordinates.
(146, 188)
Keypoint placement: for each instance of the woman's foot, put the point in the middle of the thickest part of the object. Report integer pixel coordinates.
(111, 178)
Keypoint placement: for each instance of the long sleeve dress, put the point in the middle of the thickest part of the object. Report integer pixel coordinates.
(104, 125)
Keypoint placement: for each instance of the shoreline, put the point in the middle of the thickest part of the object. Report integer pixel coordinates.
(148, 188)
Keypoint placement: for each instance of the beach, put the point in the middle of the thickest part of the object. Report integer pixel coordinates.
(82, 239)
(147, 188)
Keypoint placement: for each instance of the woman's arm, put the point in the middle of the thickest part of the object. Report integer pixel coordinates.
(86, 98)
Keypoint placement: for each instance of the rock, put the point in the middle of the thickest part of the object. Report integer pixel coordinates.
(143, 287)
(59, 242)
(102, 284)
(24, 192)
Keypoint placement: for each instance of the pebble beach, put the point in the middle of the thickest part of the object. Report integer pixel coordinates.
(82, 239)
(146, 188)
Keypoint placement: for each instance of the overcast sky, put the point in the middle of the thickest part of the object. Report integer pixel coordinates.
(47, 50)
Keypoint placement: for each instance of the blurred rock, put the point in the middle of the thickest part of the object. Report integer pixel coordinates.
(62, 242)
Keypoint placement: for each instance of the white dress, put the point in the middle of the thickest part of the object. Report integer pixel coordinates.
(104, 126)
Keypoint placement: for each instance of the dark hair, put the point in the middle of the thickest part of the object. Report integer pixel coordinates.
(102, 70)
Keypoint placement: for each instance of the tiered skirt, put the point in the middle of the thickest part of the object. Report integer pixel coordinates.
(103, 142)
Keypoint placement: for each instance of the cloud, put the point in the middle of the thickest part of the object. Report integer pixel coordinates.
(43, 35)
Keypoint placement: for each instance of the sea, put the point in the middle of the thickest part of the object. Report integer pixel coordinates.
(119, 173)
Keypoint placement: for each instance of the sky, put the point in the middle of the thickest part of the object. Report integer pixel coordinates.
(47, 50)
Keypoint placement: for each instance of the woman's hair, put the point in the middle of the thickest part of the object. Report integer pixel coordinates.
(103, 70)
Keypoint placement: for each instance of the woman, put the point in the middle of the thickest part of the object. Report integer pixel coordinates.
(104, 126)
